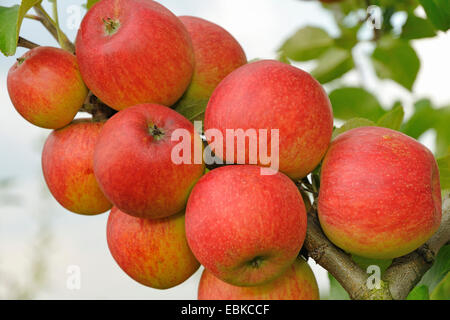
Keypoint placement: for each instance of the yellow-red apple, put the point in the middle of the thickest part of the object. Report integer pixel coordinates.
(46, 88)
(296, 283)
(244, 227)
(379, 193)
(68, 166)
(154, 252)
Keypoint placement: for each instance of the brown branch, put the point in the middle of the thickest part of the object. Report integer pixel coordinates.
(96, 108)
(24, 43)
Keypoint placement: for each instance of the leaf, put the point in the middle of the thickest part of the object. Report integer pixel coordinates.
(352, 124)
(337, 292)
(351, 102)
(392, 119)
(417, 28)
(192, 109)
(422, 119)
(439, 269)
(11, 21)
(332, 64)
(419, 293)
(306, 44)
(442, 290)
(444, 171)
(90, 3)
(395, 59)
(438, 11)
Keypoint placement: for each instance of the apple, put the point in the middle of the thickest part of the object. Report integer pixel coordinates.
(296, 283)
(244, 227)
(272, 95)
(134, 51)
(217, 53)
(380, 195)
(134, 166)
(154, 252)
(46, 88)
(68, 167)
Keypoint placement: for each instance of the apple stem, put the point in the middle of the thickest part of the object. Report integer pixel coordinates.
(111, 26)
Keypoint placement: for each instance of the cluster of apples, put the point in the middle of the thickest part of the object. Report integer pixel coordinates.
(379, 194)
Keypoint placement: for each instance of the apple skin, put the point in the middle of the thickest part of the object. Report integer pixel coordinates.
(147, 58)
(296, 283)
(217, 53)
(134, 168)
(241, 227)
(269, 94)
(68, 167)
(380, 194)
(46, 88)
(154, 252)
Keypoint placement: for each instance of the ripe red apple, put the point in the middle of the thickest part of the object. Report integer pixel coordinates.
(217, 53)
(46, 88)
(273, 95)
(134, 166)
(379, 195)
(154, 252)
(68, 166)
(296, 283)
(245, 228)
(134, 51)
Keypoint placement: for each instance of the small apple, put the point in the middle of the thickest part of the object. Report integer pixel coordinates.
(154, 252)
(67, 163)
(134, 51)
(296, 283)
(217, 53)
(380, 195)
(46, 88)
(244, 227)
(274, 96)
(134, 166)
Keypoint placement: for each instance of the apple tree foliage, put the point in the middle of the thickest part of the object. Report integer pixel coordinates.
(392, 58)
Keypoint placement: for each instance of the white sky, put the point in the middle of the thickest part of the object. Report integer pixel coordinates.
(260, 26)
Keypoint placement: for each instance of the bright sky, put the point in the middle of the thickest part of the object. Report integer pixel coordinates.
(260, 26)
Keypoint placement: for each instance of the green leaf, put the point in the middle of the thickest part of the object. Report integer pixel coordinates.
(438, 11)
(423, 119)
(352, 102)
(11, 21)
(417, 28)
(392, 119)
(192, 109)
(306, 44)
(439, 269)
(352, 124)
(333, 64)
(90, 3)
(419, 293)
(444, 171)
(442, 290)
(337, 292)
(395, 59)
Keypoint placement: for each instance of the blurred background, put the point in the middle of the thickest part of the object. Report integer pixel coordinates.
(41, 244)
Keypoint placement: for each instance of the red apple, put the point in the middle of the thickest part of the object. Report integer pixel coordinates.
(134, 51)
(134, 166)
(379, 195)
(217, 53)
(68, 166)
(152, 252)
(296, 283)
(273, 95)
(46, 88)
(245, 228)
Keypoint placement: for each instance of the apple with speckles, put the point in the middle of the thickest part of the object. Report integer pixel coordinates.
(241, 227)
(46, 88)
(68, 167)
(296, 283)
(271, 95)
(134, 51)
(380, 194)
(133, 161)
(154, 252)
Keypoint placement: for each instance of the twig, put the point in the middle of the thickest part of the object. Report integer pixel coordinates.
(24, 43)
